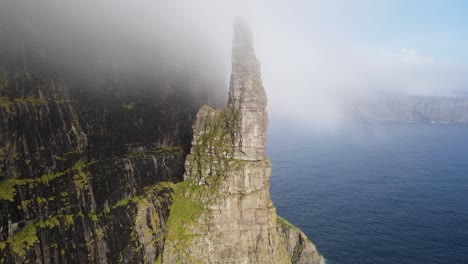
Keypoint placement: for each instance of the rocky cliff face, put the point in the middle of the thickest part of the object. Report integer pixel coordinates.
(93, 165)
(222, 212)
(88, 155)
(412, 109)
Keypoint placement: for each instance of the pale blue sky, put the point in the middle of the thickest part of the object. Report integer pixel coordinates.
(435, 28)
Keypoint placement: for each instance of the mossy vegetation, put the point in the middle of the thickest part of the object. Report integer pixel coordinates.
(7, 189)
(99, 234)
(158, 260)
(26, 238)
(20, 242)
(8, 103)
(127, 106)
(217, 131)
(140, 200)
(148, 230)
(161, 152)
(80, 177)
(186, 208)
(283, 222)
(8, 186)
(30, 100)
(60, 220)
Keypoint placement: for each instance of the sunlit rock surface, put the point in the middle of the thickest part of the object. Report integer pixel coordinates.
(222, 212)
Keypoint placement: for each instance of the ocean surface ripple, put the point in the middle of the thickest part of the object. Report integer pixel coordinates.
(383, 193)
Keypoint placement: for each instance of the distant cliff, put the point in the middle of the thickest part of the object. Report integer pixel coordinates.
(411, 109)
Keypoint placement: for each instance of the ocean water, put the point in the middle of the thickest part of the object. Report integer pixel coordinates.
(382, 193)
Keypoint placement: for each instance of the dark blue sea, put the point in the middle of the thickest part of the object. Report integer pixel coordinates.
(381, 193)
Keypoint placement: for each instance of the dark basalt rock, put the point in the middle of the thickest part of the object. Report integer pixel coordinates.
(87, 160)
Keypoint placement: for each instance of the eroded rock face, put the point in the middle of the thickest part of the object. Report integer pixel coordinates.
(222, 212)
(88, 158)
(247, 96)
(92, 166)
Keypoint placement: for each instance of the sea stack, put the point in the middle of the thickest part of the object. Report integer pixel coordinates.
(222, 212)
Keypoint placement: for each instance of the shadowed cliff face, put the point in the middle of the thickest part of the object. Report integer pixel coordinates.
(88, 154)
(92, 162)
(222, 212)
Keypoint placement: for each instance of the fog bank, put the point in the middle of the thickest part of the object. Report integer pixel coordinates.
(314, 54)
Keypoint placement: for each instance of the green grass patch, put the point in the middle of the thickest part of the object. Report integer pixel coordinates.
(285, 223)
(26, 238)
(7, 189)
(216, 131)
(186, 208)
(8, 186)
(20, 242)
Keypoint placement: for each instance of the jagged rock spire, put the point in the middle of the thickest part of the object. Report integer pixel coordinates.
(246, 89)
(228, 215)
(247, 96)
(238, 131)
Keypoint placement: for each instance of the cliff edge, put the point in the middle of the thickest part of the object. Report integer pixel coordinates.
(222, 211)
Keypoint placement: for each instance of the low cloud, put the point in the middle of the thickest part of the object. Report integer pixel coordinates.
(310, 65)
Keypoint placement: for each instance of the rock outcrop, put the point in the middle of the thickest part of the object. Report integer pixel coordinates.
(222, 212)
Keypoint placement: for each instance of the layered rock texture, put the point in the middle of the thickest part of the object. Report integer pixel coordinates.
(222, 212)
(94, 165)
(412, 109)
(89, 153)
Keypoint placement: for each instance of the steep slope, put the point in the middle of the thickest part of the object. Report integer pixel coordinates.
(92, 163)
(222, 212)
(84, 152)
